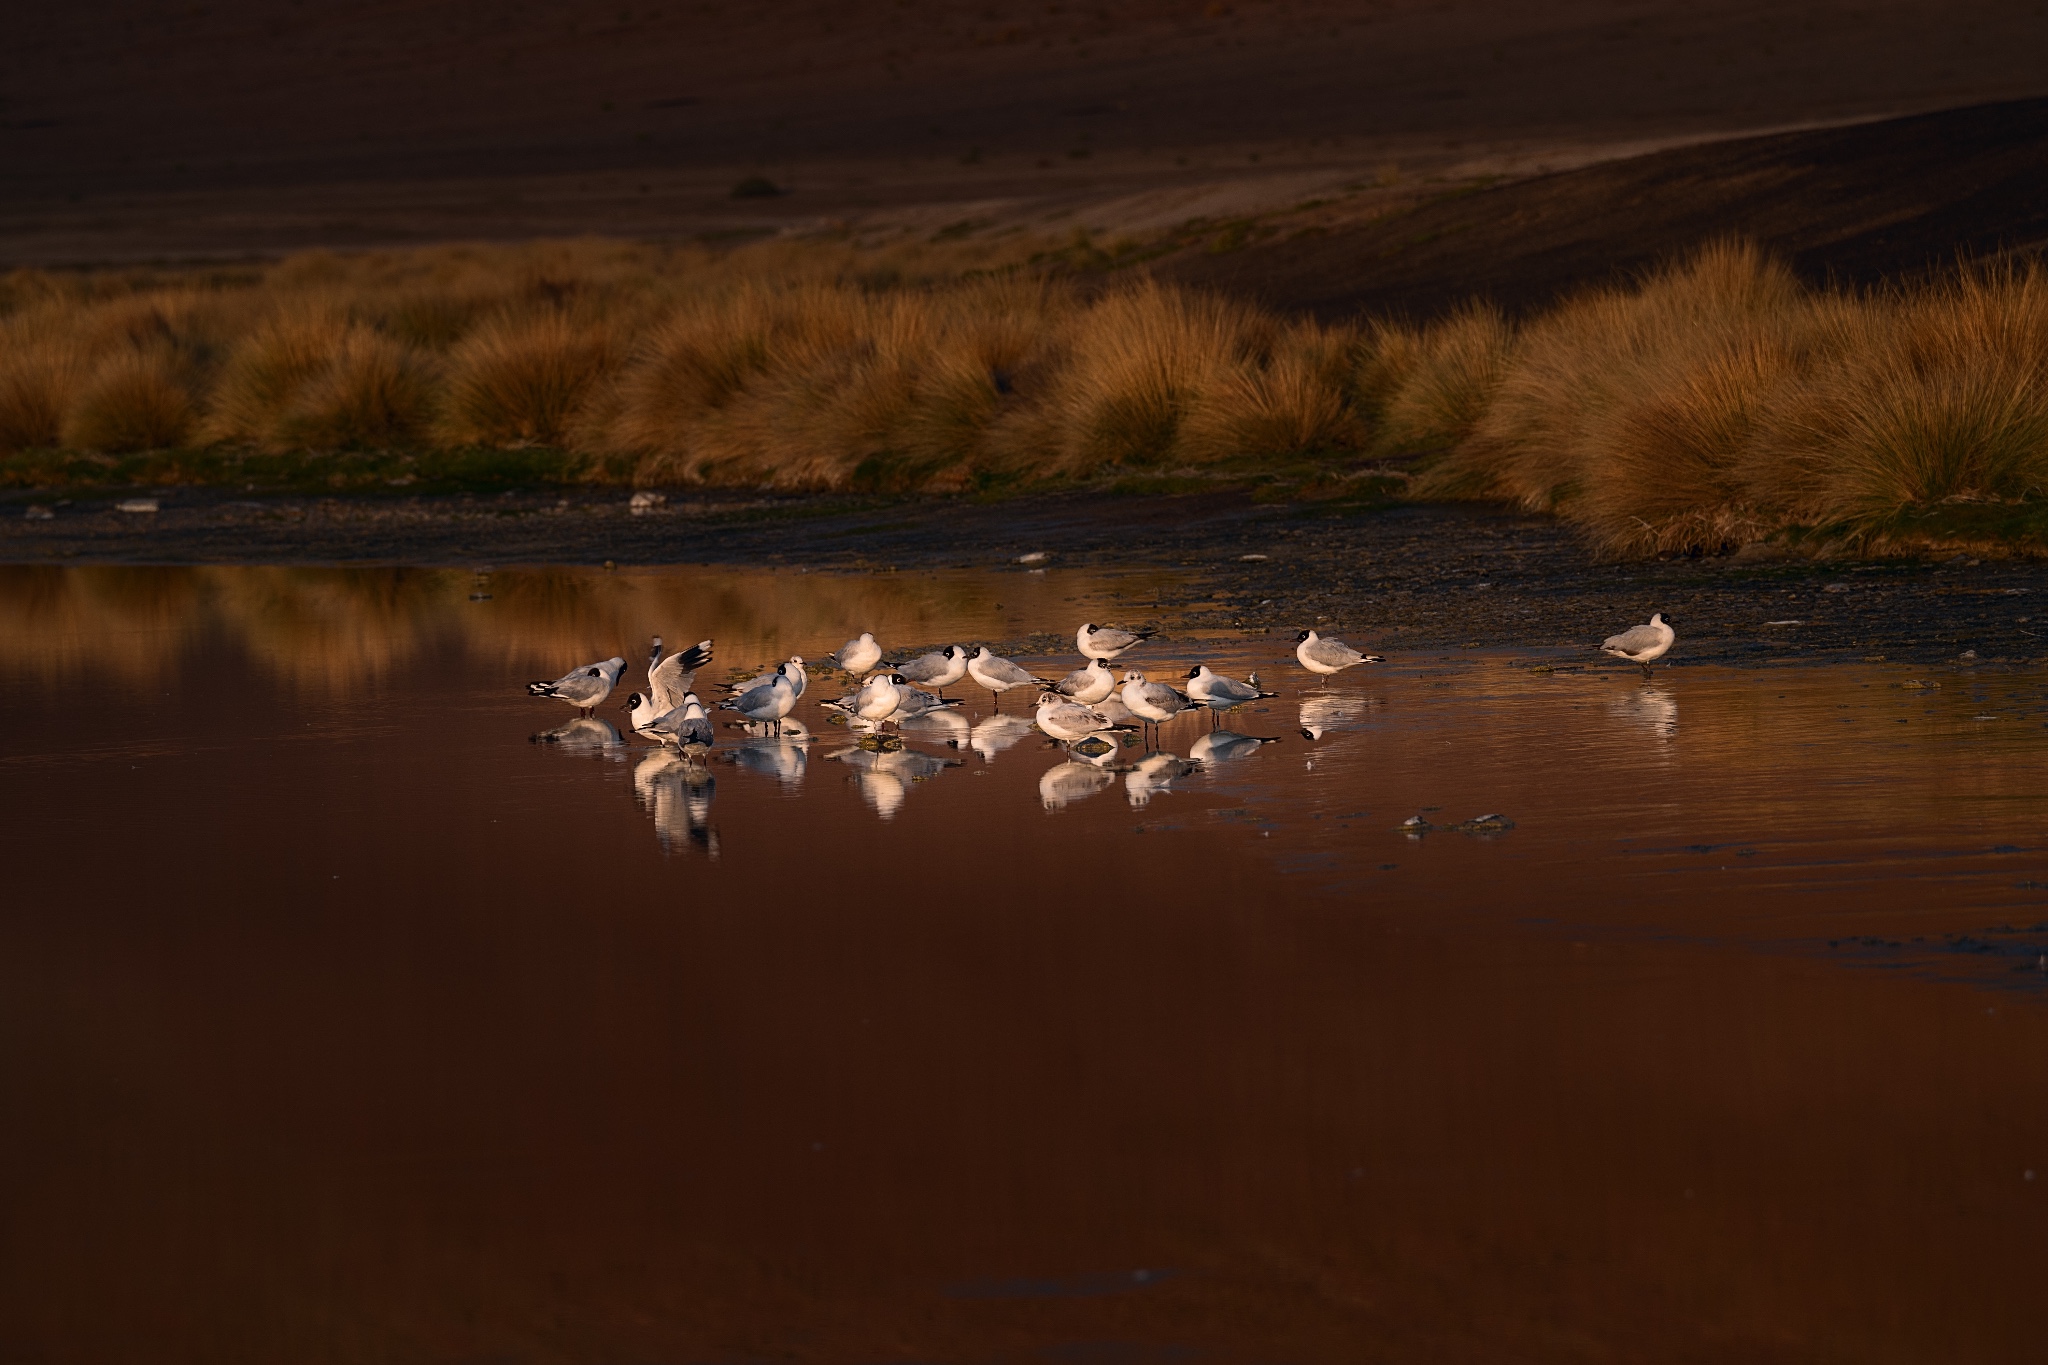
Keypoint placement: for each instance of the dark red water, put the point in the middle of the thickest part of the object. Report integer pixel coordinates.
(340, 1022)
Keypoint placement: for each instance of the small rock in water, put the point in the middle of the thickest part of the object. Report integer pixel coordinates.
(1967, 654)
(1836, 587)
(645, 501)
(1485, 824)
(1250, 559)
(136, 505)
(1035, 557)
(37, 512)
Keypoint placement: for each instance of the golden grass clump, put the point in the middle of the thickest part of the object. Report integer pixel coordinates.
(1433, 386)
(522, 379)
(1138, 362)
(133, 400)
(1939, 396)
(39, 376)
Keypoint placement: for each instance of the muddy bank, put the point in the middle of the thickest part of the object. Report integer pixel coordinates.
(1406, 577)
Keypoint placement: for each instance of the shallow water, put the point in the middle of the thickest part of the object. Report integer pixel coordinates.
(342, 1020)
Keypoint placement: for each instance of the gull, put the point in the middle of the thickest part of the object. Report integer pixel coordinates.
(1106, 642)
(583, 687)
(684, 727)
(1068, 721)
(1113, 709)
(791, 668)
(1641, 644)
(938, 670)
(1000, 675)
(1088, 685)
(1226, 746)
(1219, 693)
(914, 703)
(768, 703)
(1151, 702)
(880, 698)
(1153, 774)
(668, 679)
(1318, 655)
(858, 655)
(994, 734)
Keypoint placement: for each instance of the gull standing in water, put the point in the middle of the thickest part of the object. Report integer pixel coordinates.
(1069, 721)
(1106, 642)
(1088, 685)
(768, 703)
(999, 675)
(1219, 693)
(880, 698)
(686, 727)
(1642, 644)
(791, 668)
(938, 670)
(1318, 655)
(668, 679)
(857, 656)
(1154, 703)
(583, 687)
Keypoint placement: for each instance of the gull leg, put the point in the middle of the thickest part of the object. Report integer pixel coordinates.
(1646, 672)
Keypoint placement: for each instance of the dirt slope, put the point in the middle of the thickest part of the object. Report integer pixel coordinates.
(1856, 204)
(136, 129)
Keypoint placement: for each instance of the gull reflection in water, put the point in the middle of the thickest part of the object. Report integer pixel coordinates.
(1322, 715)
(1652, 708)
(1075, 780)
(781, 757)
(1152, 774)
(949, 726)
(997, 733)
(1227, 746)
(886, 775)
(677, 793)
(584, 735)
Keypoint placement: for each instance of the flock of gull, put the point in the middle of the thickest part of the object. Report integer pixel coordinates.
(1088, 713)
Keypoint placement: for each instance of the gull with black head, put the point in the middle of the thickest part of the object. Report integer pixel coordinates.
(584, 688)
(1643, 644)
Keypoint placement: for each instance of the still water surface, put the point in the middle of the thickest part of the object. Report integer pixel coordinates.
(341, 1020)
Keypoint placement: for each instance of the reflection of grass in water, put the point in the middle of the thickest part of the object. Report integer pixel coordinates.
(1716, 402)
(337, 631)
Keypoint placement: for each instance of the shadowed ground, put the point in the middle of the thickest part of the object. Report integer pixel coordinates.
(137, 131)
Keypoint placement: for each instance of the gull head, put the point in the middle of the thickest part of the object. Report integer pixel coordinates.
(1133, 675)
(1304, 637)
(1658, 618)
(633, 703)
(1196, 671)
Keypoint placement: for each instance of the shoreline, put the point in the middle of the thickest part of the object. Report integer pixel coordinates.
(1406, 576)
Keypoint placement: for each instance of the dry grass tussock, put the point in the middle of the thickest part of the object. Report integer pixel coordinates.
(1720, 402)
(1712, 403)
